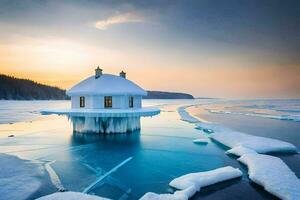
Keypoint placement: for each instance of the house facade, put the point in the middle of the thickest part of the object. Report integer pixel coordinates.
(106, 91)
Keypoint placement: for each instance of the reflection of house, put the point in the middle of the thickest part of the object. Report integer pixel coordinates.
(106, 91)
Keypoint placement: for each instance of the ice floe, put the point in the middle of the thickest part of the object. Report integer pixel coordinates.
(185, 116)
(189, 184)
(240, 150)
(232, 139)
(84, 112)
(259, 144)
(71, 196)
(178, 195)
(19, 179)
(273, 174)
(202, 179)
(201, 141)
(295, 118)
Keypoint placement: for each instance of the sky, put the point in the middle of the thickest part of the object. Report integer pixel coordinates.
(208, 48)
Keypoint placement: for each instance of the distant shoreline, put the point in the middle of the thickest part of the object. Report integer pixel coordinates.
(12, 88)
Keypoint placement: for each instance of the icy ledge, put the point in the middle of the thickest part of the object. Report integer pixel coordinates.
(273, 174)
(84, 112)
(234, 139)
(185, 116)
(19, 179)
(71, 196)
(189, 184)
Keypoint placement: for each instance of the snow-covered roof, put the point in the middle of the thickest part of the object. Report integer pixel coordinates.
(106, 84)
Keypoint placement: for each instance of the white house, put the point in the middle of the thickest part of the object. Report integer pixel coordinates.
(106, 91)
(106, 103)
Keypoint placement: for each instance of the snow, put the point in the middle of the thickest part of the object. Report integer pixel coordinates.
(202, 179)
(185, 116)
(71, 196)
(201, 141)
(234, 139)
(290, 117)
(19, 179)
(240, 150)
(106, 84)
(105, 125)
(189, 184)
(83, 112)
(178, 195)
(273, 174)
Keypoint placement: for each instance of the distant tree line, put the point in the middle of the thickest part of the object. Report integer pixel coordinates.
(167, 95)
(12, 88)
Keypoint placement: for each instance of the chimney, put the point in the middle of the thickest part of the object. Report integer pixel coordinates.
(98, 72)
(123, 74)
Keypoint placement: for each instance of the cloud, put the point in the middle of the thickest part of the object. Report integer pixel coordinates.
(118, 19)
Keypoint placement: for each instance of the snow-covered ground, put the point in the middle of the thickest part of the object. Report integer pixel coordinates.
(268, 171)
(19, 179)
(273, 174)
(189, 184)
(71, 196)
(232, 139)
(288, 109)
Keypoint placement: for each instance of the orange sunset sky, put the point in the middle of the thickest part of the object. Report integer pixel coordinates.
(230, 49)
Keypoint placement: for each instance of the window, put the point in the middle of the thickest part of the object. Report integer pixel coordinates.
(107, 101)
(130, 102)
(81, 102)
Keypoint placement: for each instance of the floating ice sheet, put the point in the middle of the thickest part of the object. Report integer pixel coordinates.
(234, 139)
(19, 179)
(273, 174)
(71, 196)
(240, 150)
(189, 184)
(178, 195)
(202, 179)
(185, 116)
(83, 112)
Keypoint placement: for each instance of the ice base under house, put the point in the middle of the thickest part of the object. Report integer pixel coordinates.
(106, 103)
(105, 120)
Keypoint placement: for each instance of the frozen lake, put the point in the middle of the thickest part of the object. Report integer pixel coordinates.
(145, 160)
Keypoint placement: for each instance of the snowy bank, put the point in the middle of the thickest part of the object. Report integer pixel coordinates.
(240, 150)
(234, 139)
(273, 174)
(189, 184)
(185, 116)
(85, 112)
(19, 179)
(178, 195)
(203, 179)
(71, 196)
(201, 141)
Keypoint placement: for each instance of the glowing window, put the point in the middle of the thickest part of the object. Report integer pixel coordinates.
(107, 101)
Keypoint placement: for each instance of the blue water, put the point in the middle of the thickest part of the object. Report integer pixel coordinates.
(160, 151)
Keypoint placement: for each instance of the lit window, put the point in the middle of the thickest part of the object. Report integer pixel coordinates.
(130, 102)
(82, 102)
(107, 101)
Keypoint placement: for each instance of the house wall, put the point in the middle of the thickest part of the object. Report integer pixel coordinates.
(75, 101)
(97, 102)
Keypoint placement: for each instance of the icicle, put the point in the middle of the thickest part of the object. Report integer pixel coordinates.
(106, 125)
